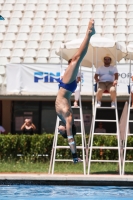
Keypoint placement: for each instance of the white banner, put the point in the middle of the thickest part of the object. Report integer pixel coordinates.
(13, 75)
(124, 78)
(43, 79)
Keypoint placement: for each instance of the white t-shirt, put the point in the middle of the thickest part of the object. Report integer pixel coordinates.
(2, 130)
(100, 130)
(106, 73)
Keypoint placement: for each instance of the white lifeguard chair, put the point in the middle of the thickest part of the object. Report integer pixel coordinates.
(93, 147)
(100, 48)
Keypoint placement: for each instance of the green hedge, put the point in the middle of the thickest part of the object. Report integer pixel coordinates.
(40, 146)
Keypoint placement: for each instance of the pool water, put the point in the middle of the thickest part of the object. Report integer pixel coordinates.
(37, 192)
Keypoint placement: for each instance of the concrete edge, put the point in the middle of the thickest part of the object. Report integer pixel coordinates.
(75, 180)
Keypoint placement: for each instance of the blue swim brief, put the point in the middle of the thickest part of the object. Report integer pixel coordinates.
(70, 86)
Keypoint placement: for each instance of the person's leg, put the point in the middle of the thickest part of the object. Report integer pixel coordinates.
(65, 113)
(72, 69)
(101, 89)
(112, 91)
(70, 136)
(77, 93)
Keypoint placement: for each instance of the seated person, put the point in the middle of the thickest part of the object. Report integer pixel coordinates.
(2, 130)
(100, 128)
(106, 76)
(28, 127)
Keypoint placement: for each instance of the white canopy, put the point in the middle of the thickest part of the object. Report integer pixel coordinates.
(98, 48)
(130, 52)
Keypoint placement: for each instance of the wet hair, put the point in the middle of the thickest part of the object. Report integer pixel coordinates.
(65, 133)
(74, 131)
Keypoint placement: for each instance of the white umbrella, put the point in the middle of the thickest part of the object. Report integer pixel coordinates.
(129, 52)
(129, 57)
(97, 49)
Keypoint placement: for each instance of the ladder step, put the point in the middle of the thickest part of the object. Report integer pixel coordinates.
(129, 148)
(76, 120)
(104, 120)
(104, 160)
(131, 161)
(130, 134)
(75, 107)
(102, 147)
(66, 160)
(67, 147)
(105, 108)
(130, 120)
(105, 133)
(76, 133)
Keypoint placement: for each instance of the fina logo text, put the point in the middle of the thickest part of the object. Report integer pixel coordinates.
(46, 77)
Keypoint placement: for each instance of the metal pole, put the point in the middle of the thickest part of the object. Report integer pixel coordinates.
(127, 125)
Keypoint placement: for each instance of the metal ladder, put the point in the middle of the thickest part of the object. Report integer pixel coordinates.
(55, 140)
(90, 143)
(130, 109)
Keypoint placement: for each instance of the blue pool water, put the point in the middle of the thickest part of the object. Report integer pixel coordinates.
(35, 192)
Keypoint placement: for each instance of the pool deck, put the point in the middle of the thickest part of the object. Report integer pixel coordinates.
(65, 179)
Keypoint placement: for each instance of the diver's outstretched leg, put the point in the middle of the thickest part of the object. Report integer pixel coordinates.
(73, 68)
(72, 145)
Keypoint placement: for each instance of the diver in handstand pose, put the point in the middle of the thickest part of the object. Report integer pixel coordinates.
(67, 86)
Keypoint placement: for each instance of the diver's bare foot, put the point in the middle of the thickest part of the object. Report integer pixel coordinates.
(91, 28)
(91, 24)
